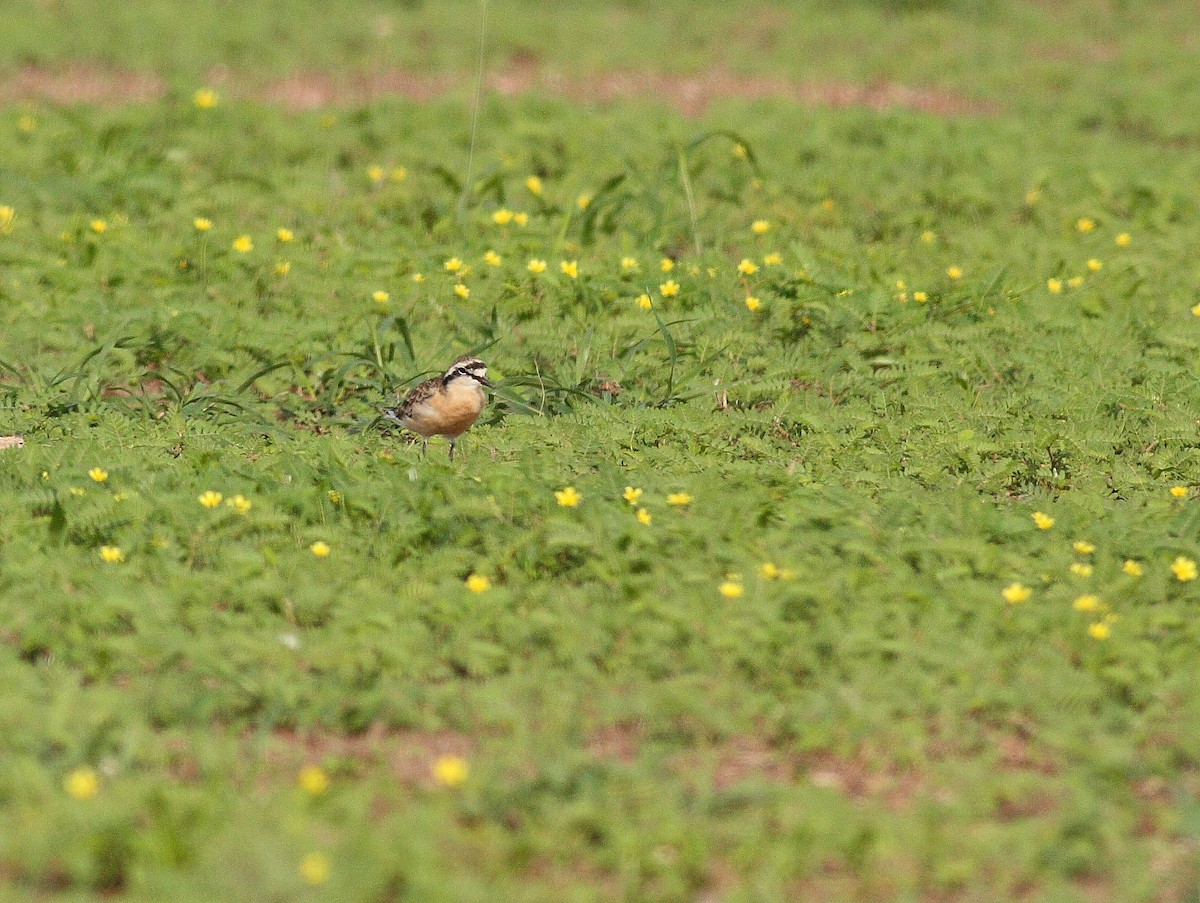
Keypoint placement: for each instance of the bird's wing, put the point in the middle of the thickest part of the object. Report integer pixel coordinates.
(418, 395)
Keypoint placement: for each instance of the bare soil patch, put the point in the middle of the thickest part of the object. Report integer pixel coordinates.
(691, 95)
(80, 83)
(407, 754)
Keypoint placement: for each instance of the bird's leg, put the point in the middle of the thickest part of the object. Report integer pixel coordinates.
(452, 443)
(424, 446)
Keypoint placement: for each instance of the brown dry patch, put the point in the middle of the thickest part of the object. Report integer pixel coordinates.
(616, 742)
(691, 95)
(742, 758)
(859, 778)
(565, 874)
(407, 754)
(1018, 752)
(76, 83)
(733, 761)
(314, 90)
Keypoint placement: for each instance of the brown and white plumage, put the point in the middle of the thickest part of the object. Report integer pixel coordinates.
(446, 405)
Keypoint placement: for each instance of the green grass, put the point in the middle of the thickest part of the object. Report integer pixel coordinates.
(869, 719)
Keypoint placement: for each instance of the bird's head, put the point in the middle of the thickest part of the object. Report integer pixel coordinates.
(467, 368)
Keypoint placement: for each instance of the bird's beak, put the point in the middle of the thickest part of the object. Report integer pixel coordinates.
(390, 414)
(487, 382)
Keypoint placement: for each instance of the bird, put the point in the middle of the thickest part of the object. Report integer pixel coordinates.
(446, 405)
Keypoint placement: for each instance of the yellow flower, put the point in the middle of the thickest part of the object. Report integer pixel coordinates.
(1082, 547)
(202, 224)
(1196, 310)
(954, 272)
(1043, 521)
(769, 570)
(1081, 569)
(1095, 265)
(478, 583)
(679, 498)
(521, 219)
(206, 98)
(99, 474)
(536, 266)
(929, 236)
(643, 517)
(450, 771)
(27, 123)
(1180, 492)
(283, 267)
(1075, 282)
(669, 288)
(570, 268)
(773, 259)
(1099, 631)
(491, 258)
(502, 217)
(334, 496)
(418, 278)
(534, 184)
(1055, 286)
(747, 267)
(399, 174)
(453, 265)
(1016, 592)
(920, 297)
(644, 302)
(240, 503)
(313, 780)
(99, 226)
(375, 173)
(210, 499)
(320, 549)
(666, 264)
(583, 201)
(1123, 240)
(1132, 568)
(243, 244)
(630, 264)
(568, 497)
(760, 227)
(731, 589)
(111, 554)
(462, 291)
(1184, 569)
(828, 204)
(1084, 224)
(739, 151)
(83, 783)
(314, 868)
(753, 303)
(1087, 603)
(381, 296)
(1032, 197)
(8, 216)
(284, 235)
(632, 495)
